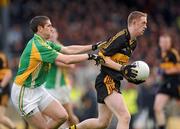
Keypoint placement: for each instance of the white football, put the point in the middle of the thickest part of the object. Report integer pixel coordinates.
(143, 70)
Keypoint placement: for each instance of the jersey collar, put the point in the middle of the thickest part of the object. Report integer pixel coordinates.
(39, 37)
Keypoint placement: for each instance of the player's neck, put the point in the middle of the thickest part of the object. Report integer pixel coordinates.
(132, 33)
(41, 35)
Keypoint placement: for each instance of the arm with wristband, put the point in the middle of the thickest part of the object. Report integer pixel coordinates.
(77, 49)
(127, 70)
(71, 59)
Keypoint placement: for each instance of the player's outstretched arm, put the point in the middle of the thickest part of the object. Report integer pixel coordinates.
(72, 59)
(77, 49)
(63, 65)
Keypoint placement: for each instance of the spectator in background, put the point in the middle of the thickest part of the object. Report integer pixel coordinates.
(170, 70)
(5, 78)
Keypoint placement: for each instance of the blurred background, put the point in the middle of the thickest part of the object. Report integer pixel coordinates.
(86, 22)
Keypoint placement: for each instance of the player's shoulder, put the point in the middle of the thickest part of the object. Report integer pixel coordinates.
(175, 53)
(2, 55)
(4, 60)
(122, 35)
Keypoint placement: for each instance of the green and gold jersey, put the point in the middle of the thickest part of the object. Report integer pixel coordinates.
(57, 77)
(119, 48)
(35, 62)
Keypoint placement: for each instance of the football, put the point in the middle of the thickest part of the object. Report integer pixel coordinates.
(143, 70)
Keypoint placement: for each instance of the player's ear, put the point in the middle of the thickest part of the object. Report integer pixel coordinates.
(134, 21)
(39, 28)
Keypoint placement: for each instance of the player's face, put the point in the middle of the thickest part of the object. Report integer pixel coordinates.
(54, 35)
(140, 25)
(47, 29)
(165, 43)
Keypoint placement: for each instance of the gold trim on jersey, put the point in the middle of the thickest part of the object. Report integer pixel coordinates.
(167, 65)
(21, 105)
(175, 52)
(120, 58)
(105, 44)
(33, 65)
(110, 84)
(132, 41)
(42, 41)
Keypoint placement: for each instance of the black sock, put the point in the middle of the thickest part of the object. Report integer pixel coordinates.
(161, 127)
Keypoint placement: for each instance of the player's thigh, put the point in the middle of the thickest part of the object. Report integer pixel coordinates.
(38, 120)
(2, 111)
(55, 111)
(160, 101)
(51, 106)
(69, 108)
(105, 114)
(116, 104)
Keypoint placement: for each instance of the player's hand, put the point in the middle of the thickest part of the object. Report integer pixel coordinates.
(128, 72)
(97, 45)
(98, 59)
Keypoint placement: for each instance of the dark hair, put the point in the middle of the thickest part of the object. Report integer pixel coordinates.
(37, 21)
(135, 15)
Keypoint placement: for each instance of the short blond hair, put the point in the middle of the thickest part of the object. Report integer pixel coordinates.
(135, 15)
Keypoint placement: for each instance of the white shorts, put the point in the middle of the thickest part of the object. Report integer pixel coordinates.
(29, 101)
(61, 93)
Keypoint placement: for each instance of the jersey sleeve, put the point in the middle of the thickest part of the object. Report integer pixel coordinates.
(45, 53)
(114, 45)
(174, 56)
(55, 46)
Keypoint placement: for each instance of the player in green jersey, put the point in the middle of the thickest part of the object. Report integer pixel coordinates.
(28, 95)
(58, 84)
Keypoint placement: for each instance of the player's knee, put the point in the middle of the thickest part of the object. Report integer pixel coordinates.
(62, 117)
(103, 125)
(125, 117)
(157, 108)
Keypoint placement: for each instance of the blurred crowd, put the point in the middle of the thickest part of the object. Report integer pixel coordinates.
(86, 22)
(89, 21)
